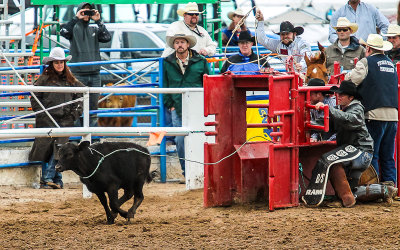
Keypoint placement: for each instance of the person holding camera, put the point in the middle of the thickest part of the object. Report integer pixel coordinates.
(84, 47)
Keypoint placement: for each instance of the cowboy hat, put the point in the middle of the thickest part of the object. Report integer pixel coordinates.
(375, 41)
(191, 7)
(345, 23)
(245, 36)
(237, 12)
(393, 30)
(191, 40)
(318, 82)
(348, 88)
(56, 54)
(287, 26)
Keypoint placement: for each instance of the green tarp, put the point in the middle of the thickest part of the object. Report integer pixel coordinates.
(76, 2)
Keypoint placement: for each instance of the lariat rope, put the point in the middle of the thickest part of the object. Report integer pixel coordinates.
(103, 157)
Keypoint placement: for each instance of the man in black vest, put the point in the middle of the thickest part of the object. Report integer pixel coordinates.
(376, 78)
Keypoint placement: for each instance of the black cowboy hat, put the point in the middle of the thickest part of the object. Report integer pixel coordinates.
(287, 26)
(348, 88)
(318, 82)
(245, 36)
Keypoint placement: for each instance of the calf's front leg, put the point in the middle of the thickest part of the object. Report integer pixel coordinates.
(110, 215)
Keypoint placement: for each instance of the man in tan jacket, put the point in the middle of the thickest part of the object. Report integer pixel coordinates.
(346, 47)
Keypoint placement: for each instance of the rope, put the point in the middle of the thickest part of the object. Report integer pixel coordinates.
(32, 93)
(103, 157)
(256, 42)
(41, 111)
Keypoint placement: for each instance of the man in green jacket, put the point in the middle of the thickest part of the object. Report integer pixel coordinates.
(182, 69)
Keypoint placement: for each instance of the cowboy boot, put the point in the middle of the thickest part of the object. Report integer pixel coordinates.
(373, 192)
(338, 179)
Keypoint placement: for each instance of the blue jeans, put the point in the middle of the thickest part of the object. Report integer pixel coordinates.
(168, 123)
(384, 134)
(49, 173)
(91, 81)
(179, 140)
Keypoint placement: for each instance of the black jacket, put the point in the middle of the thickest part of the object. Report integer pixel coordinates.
(84, 42)
(350, 127)
(65, 116)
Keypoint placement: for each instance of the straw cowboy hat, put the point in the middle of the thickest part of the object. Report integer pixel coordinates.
(345, 23)
(56, 54)
(393, 30)
(191, 7)
(376, 41)
(237, 12)
(287, 26)
(191, 40)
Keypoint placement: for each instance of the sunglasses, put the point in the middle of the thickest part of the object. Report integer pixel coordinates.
(340, 30)
(192, 14)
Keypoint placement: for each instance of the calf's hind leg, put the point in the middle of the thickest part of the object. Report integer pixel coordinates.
(128, 193)
(110, 215)
(138, 192)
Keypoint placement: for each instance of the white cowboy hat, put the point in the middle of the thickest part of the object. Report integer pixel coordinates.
(376, 41)
(237, 12)
(393, 30)
(345, 23)
(191, 7)
(191, 39)
(56, 54)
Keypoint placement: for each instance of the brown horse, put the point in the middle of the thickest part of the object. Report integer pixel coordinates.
(316, 65)
(117, 101)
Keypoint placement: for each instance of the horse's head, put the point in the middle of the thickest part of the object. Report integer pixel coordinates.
(316, 65)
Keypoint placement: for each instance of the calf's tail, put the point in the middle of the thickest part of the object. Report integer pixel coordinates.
(152, 175)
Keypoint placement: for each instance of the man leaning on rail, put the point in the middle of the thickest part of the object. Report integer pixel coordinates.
(246, 62)
(182, 69)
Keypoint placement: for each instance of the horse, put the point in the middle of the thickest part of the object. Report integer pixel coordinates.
(316, 65)
(117, 101)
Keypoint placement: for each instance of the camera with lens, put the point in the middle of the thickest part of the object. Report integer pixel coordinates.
(89, 13)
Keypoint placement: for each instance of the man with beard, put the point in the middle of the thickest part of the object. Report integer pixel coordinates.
(346, 47)
(188, 26)
(84, 47)
(368, 18)
(182, 69)
(289, 43)
(393, 36)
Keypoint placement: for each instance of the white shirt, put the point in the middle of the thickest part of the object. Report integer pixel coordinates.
(298, 48)
(203, 42)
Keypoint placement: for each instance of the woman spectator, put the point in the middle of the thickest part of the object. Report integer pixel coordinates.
(236, 17)
(57, 74)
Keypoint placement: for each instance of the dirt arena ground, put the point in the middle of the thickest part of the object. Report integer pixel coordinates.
(171, 217)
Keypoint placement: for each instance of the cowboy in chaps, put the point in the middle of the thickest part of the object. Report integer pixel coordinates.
(344, 165)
